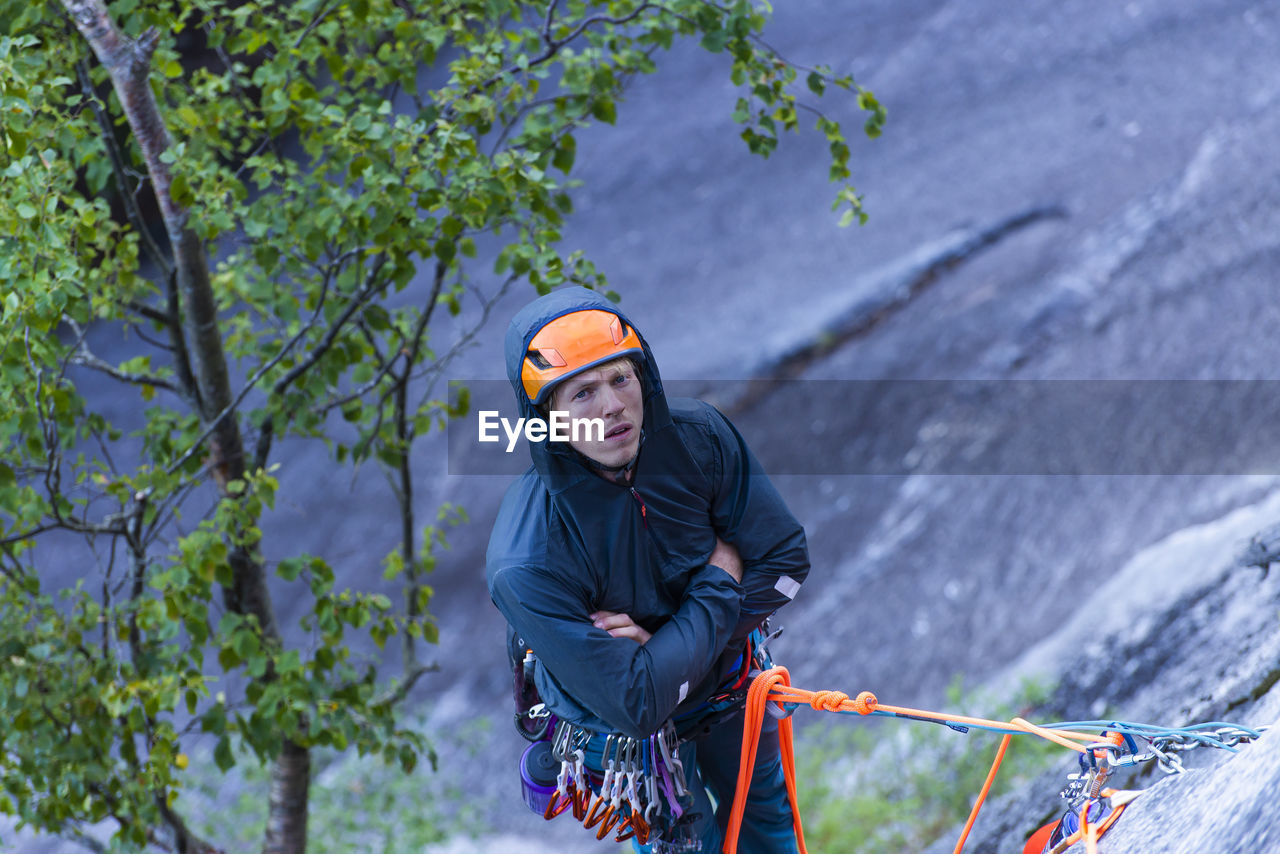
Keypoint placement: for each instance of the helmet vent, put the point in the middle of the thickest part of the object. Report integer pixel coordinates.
(545, 358)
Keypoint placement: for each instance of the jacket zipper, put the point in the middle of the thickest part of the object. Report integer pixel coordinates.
(640, 501)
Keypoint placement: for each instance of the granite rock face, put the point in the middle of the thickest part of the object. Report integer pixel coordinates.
(1177, 639)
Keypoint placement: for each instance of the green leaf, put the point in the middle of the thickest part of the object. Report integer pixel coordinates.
(605, 110)
(566, 153)
(431, 633)
(227, 658)
(451, 227)
(289, 568)
(180, 191)
(222, 755)
(714, 40)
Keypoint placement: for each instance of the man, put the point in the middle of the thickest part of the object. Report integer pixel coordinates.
(636, 559)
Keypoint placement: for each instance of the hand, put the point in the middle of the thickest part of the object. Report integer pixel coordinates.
(727, 558)
(620, 626)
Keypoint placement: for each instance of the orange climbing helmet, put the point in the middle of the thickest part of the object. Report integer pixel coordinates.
(573, 343)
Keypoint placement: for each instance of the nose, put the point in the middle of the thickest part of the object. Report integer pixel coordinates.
(610, 400)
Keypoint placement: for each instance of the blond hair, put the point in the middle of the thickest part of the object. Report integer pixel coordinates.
(546, 408)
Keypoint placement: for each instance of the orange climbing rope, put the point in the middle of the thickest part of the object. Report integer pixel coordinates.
(986, 788)
(757, 695)
(775, 685)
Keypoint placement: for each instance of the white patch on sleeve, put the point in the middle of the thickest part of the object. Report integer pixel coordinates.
(684, 692)
(787, 586)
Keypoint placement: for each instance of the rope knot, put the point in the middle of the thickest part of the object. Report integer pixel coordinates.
(828, 701)
(865, 704)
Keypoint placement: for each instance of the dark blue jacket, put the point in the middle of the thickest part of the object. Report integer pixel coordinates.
(567, 543)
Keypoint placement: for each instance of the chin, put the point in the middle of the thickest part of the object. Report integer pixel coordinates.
(615, 456)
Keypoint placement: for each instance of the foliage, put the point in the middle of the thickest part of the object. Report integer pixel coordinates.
(898, 786)
(338, 162)
(358, 804)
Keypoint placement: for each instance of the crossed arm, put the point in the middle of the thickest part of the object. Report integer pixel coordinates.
(621, 625)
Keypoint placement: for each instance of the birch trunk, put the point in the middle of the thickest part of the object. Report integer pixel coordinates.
(128, 62)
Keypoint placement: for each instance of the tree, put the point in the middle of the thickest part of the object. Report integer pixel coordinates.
(273, 206)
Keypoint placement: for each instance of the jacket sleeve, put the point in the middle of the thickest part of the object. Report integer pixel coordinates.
(631, 688)
(748, 512)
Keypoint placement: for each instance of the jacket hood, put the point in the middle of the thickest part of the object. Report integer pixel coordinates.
(558, 464)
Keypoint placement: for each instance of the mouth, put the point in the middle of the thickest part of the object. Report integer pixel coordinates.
(619, 433)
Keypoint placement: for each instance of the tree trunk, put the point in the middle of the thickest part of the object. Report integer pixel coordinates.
(128, 61)
(287, 812)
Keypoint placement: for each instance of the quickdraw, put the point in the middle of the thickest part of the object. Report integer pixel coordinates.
(1091, 807)
(641, 790)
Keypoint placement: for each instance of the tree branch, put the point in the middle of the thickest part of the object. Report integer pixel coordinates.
(486, 308)
(552, 49)
(319, 16)
(268, 431)
(85, 359)
(186, 841)
(549, 20)
(358, 300)
(118, 167)
(138, 554)
(153, 314)
(234, 404)
(181, 356)
(554, 45)
(398, 694)
(404, 490)
(388, 365)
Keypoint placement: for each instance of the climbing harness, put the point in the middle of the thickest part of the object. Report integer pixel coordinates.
(612, 783)
(1102, 747)
(639, 790)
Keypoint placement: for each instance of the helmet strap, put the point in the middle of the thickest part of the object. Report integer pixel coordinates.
(622, 474)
